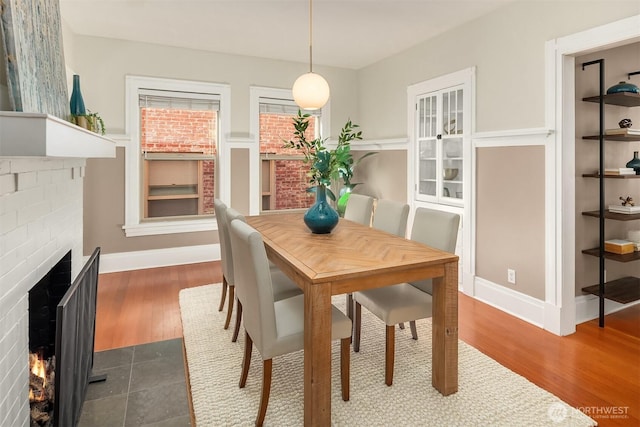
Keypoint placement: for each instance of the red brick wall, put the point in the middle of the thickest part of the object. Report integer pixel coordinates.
(184, 131)
(291, 175)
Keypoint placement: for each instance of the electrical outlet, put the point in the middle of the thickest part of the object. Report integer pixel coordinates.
(511, 276)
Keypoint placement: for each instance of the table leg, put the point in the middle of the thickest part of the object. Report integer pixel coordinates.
(317, 355)
(445, 331)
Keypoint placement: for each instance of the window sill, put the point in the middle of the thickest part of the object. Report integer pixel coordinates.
(169, 227)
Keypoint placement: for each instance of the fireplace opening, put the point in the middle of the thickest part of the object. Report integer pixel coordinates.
(61, 340)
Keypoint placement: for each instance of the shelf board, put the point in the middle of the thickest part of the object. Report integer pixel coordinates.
(623, 99)
(596, 175)
(613, 215)
(624, 290)
(623, 138)
(177, 191)
(635, 256)
(43, 135)
(173, 197)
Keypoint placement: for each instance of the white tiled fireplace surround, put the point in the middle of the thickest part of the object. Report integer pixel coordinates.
(42, 163)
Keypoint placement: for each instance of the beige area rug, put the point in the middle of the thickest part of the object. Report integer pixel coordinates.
(489, 394)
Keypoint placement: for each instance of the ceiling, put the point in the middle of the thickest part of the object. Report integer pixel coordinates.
(346, 33)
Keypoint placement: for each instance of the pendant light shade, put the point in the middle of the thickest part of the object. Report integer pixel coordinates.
(310, 90)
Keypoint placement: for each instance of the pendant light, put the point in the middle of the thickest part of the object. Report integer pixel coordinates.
(310, 90)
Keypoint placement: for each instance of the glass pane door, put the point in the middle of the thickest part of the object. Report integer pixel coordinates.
(452, 158)
(452, 167)
(427, 132)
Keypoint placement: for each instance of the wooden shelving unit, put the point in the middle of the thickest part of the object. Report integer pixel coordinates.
(625, 289)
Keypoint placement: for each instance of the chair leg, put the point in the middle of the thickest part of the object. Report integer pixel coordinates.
(266, 390)
(414, 331)
(236, 330)
(344, 367)
(401, 325)
(246, 360)
(389, 354)
(356, 333)
(224, 293)
(350, 309)
(229, 307)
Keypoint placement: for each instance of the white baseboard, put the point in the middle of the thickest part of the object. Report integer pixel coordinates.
(587, 307)
(124, 261)
(515, 303)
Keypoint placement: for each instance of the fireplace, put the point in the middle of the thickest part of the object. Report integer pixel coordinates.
(42, 164)
(61, 339)
(43, 300)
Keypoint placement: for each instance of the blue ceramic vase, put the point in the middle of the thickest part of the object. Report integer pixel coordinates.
(623, 87)
(635, 163)
(77, 103)
(321, 218)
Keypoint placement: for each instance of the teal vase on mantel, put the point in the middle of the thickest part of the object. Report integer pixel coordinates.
(635, 163)
(321, 218)
(77, 103)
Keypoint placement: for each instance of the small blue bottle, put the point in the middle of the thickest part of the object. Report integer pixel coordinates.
(77, 103)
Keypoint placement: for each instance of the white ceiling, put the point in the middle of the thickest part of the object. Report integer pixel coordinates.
(346, 33)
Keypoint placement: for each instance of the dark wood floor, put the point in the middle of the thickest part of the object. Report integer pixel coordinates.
(595, 369)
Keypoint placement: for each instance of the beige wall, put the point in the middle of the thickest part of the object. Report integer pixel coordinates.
(618, 63)
(103, 65)
(510, 217)
(507, 48)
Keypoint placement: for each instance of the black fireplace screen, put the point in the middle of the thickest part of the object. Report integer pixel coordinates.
(75, 328)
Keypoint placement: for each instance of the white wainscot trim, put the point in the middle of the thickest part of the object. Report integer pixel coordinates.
(125, 261)
(170, 227)
(121, 139)
(511, 138)
(515, 303)
(587, 307)
(381, 144)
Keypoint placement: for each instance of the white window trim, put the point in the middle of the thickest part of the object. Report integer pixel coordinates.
(257, 93)
(133, 225)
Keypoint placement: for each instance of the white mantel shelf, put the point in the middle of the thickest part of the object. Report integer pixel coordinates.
(43, 135)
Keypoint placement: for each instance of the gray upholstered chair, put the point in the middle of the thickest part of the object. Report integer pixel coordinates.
(406, 302)
(275, 327)
(359, 209)
(283, 287)
(227, 263)
(391, 217)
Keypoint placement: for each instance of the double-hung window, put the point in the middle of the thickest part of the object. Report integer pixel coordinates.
(283, 174)
(278, 177)
(173, 161)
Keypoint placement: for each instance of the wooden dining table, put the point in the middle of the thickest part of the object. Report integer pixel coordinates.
(351, 258)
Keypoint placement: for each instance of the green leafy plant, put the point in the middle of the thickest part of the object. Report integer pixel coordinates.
(90, 121)
(326, 166)
(96, 124)
(347, 165)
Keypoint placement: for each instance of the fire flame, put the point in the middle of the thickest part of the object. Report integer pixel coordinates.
(38, 368)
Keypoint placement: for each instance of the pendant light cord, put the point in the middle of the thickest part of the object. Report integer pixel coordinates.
(310, 36)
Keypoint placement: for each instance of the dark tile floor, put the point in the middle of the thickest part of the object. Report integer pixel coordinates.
(145, 386)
